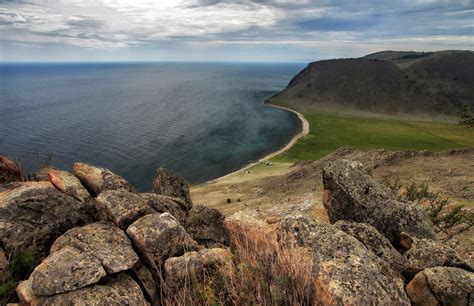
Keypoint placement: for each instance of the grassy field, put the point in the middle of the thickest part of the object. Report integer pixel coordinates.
(328, 132)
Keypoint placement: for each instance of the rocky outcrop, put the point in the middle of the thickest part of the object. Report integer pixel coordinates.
(186, 270)
(68, 184)
(206, 226)
(442, 286)
(97, 179)
(375, 242)
(343, 266)
(34, 214)
(158, 237)
(352, 195)
(104, 241)
(66, 270)
(426, 253)
(10, 170)
(118, 289)
(169, 184)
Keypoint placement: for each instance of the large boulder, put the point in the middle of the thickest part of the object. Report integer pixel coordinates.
(119, 289)
(123, 207)
(97, 179)
(345, 272)
(104, 241)
(170, 184)
(158, 237)
(442, 286)
(192, 267)
(34, 214)
(206, 226)
(427, 253)
(66, 270)
(10, 170)
(375, 242)
(68, 184)
(352, 195)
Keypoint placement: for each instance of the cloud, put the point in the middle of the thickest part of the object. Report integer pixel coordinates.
(305, 24)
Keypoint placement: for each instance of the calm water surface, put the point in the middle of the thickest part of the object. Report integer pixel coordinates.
(202, 120)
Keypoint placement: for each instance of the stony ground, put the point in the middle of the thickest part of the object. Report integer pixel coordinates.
(284, 188)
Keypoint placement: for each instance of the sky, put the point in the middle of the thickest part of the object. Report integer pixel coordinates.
(228, 30)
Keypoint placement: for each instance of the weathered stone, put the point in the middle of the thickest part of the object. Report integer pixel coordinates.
(34, 214)
(376, 242)
(441, 286)
(25, 293)
(122, 207)
(119, 289)
(145, 279)
(68, 184)
(426, 253)
(345, 271)
(170, 184)
(158, 237)
(66, 270)
(40, 175)
(352, 195)
(190, 268)
(104, 241)
(206, 226)
(10, 170)
(97, 179)
(5, 272)
(161, 204)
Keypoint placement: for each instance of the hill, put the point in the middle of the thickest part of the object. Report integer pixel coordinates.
(385, 82)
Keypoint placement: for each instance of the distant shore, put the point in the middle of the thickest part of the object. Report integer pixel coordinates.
(304, 131)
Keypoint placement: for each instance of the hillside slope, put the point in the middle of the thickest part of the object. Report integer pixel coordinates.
(387, 82)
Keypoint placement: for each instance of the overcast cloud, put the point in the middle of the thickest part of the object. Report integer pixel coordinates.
(235, 30)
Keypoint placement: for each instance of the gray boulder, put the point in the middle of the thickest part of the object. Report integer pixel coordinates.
(66, 270)
(375, 242)
(170, 184)
(206, 226)
(345, 271)
(104, 241)
(158, 237)
(442, 286)
(352, 195)
(119, 289)
(34, 214)
(97, 179)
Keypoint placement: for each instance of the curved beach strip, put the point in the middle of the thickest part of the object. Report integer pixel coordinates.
(304, 131)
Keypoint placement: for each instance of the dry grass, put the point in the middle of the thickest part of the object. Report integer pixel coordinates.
(267, 269)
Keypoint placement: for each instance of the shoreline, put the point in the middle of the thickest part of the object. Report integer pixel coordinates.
(304, 131)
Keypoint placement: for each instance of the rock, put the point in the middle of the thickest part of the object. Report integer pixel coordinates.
(158, 237)
(25, 293)
(190, 268)
(352, 195)
(119, 289)
(104, 241)
(375, 242)
(34, 214)
(441, 286)
(206, 226)
(40, 175)
(345, 271)
(97, 179)
(10, 170)
(161, 204)
(426, 253)
(145, 279)
(122, 207)
(170, 184)
(66, 270)
(68, 184)
(5, 272)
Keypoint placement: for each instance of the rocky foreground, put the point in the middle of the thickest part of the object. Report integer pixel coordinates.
(97, 242)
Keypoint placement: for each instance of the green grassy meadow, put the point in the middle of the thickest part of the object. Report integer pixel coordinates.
(328, 132)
